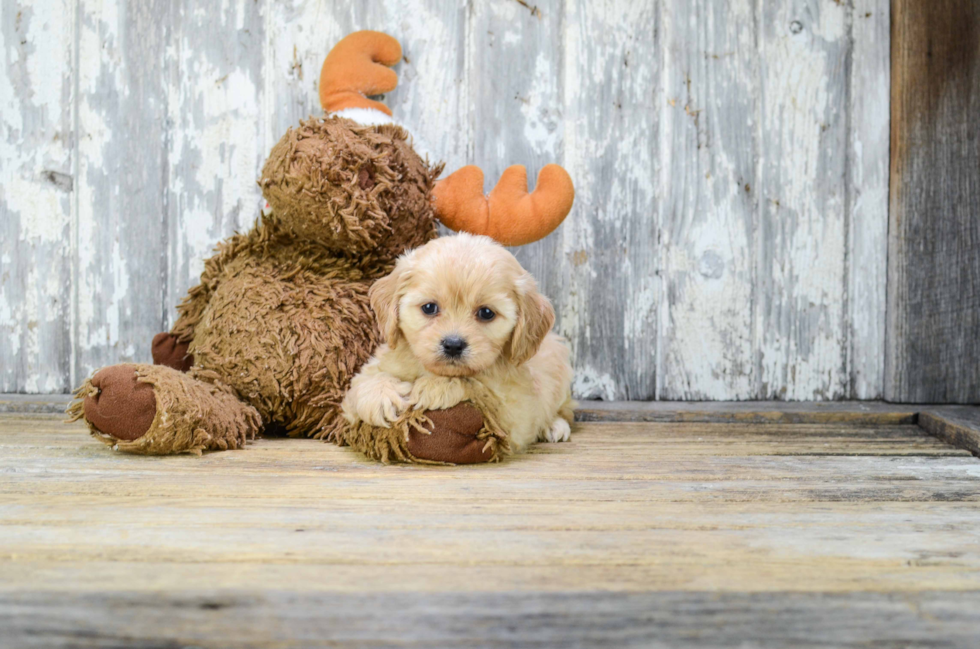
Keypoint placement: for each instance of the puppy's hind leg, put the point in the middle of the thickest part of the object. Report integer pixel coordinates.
(558, 431)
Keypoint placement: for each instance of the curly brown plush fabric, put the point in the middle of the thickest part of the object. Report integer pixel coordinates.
(280, 321)
(363, 189)
(191, 416)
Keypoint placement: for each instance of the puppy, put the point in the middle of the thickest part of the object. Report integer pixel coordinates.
(458, 309)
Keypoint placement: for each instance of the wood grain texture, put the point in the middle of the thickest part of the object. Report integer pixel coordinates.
(750, 528)
(728, 238)
(710, 154)
(942, 620)
(608, 303)
(214, 139)
(867, 413)
(867, 197)
(121, 183)
(51, 404)
(36, 182)
(802, 229)
(933, 341)
(955, 425)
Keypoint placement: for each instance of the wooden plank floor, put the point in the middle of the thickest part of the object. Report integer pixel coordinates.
(637, 534)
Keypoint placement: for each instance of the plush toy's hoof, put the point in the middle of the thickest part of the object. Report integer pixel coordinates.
(168, 351)
(452, 437)
(123, 407)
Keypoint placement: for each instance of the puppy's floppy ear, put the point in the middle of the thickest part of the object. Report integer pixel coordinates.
(384, 296)
(535, 318)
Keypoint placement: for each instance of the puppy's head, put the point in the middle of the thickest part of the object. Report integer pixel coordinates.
(462, 303)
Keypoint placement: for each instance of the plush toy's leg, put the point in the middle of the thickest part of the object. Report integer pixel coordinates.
(157, 410)
(452, 436)
(467, 433)
(168, 350)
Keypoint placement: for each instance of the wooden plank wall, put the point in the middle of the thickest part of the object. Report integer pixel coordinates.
(731, 157)
(934, 239)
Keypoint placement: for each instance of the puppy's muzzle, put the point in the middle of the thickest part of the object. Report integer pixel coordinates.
(453, 347)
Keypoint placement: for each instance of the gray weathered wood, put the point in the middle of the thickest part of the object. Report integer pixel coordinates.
(644, 534)
(941, 620)
(122, 181)
(36, 180)
(215, 149)
(610, 291)
(728, 238)
(955, 425)
(867, 197)
(863, 413)
(774, 180)
(709, 154)
(800, 277)
(933, 344)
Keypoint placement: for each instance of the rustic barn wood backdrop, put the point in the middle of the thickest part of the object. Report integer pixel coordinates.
(729, 237)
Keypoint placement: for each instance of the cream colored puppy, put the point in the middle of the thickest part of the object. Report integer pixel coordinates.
(461, 308)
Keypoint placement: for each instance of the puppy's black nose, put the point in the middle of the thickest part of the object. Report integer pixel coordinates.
(453, 346)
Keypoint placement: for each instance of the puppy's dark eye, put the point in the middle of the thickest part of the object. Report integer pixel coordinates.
(430, 308)
(485, 313)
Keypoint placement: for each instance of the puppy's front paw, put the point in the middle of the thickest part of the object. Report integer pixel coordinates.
(436, 393)
(384, 403)
(559, 431)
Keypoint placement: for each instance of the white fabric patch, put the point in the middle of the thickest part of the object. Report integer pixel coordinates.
(365, 116)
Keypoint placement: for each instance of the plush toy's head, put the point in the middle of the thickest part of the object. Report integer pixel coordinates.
(352, 188)
(359, 67)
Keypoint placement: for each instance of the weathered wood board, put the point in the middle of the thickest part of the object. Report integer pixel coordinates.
(939, 620)
(731, 158)
(956, 425)
(37, 77)
(121, 180)
(933, 351)
(864, 413)
(632, 534)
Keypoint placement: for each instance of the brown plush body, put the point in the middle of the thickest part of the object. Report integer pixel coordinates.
(281, 321)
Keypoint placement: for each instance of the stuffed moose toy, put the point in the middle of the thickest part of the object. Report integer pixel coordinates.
(281, 321)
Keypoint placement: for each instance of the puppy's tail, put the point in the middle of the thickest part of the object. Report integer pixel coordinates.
(357, 67)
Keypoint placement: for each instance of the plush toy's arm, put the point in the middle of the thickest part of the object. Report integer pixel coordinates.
(172, 349)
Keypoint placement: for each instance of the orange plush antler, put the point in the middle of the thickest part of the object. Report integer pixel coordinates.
(357, 66)
(509, 214)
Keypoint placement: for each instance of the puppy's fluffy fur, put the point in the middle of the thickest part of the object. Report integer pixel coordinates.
(439, 298)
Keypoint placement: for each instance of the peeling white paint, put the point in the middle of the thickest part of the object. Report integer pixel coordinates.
(35, 186)
(590, 384)
(708, 255)
(869, 168)
(214, 158)
(39, 206)
(542, 130)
